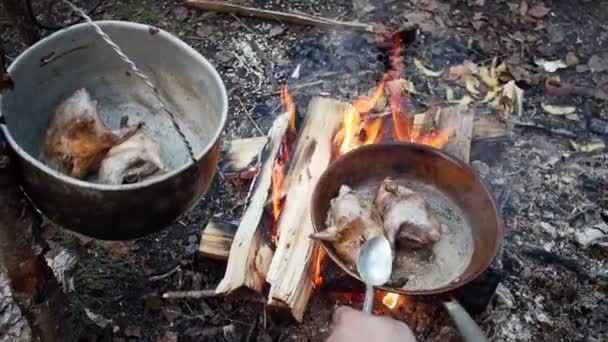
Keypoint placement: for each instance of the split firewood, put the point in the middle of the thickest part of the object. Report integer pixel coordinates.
(408, 217)
(351, 222)
(242, 154)
(459, 121)
(131, 161)
(295, 264)
(250, 255)
(77, 139)
(216, 239)
(294, 18)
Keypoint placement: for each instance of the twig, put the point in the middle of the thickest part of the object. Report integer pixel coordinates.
(166, 275)
(267, 64)
(294, 18)
(538, 125)
(190, 294)
(257, 127)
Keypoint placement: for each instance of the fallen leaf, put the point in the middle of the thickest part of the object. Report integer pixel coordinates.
(520, 74)
(539, 11)
(449, 94)
(465, 101)
(169, 336)
(471, 83)
(573, 117)
(454, 73)
(588, 148)
(426, 71)
(558, 110)
(487, 79)
(512, 96)
(181, 13)
(571, 58)
(491, 95)
(582, 68)
(597, 63)
(550, 66)
(205, 31)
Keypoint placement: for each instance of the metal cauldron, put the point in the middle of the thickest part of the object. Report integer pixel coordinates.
(75, 57)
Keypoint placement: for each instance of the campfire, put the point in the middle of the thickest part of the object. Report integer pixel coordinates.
(271, 252)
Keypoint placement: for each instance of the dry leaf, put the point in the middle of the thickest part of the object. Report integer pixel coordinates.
(487, 79)
(539, 11)
(573, 117)
(558, 110)
(423, 69)
(587, 148)
(550, 66)
(515, 97)
(571, 58)
(454, 73)
(449, 94)
(491, 95)
(465, 101)
(471, 83)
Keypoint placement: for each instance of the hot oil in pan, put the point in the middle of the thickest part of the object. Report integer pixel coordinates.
(430, 268)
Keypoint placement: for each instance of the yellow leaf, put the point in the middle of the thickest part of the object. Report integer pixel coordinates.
(471, 83)
(423, 69)
(558, 110)
(487, 79)
(465, 101)
(587, 148)
(490, 95)
(449, 94)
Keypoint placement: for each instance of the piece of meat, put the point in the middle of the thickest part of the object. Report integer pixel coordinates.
(408, 218)
(77, 139)
(131, 161)
(351, 222)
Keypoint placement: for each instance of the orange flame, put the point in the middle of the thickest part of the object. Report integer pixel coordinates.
(278, 168)
(391, 300)
(317, 268)
(356, 130)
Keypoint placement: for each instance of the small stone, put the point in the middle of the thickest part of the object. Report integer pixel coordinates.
(205, 31)
(275, 31)
(505, 296)
(539, 11)
(482, 168)
(180, 13)
(548, 228)
(571, 58)
(597, 63)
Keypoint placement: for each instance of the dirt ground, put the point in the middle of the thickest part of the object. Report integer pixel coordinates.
(554, 199)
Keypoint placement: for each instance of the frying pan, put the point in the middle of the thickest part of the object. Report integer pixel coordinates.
(431, 167)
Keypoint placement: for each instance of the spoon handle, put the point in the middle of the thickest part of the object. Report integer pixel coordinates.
(369, 299)
(467, 327)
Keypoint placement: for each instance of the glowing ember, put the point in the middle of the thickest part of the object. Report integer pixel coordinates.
(278, 169)
(317, 268)
(391, 300)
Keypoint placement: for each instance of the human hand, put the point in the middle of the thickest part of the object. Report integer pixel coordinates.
(350, 325)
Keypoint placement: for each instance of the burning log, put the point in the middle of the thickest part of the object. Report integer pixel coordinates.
(294, 267)
(250, 255)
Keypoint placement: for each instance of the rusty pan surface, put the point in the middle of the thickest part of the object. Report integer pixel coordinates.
(428, 166)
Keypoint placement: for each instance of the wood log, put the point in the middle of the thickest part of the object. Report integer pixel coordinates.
(242, 154)
(290, 274)
(459, 120)
(250, 255)
(294, 18)
(216, 239)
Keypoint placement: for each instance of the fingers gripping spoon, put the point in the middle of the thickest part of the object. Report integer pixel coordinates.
(375, 265)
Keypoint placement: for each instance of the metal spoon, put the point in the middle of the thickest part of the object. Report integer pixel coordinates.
(375, 265)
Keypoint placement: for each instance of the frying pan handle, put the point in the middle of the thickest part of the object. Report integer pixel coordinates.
(467, 327)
